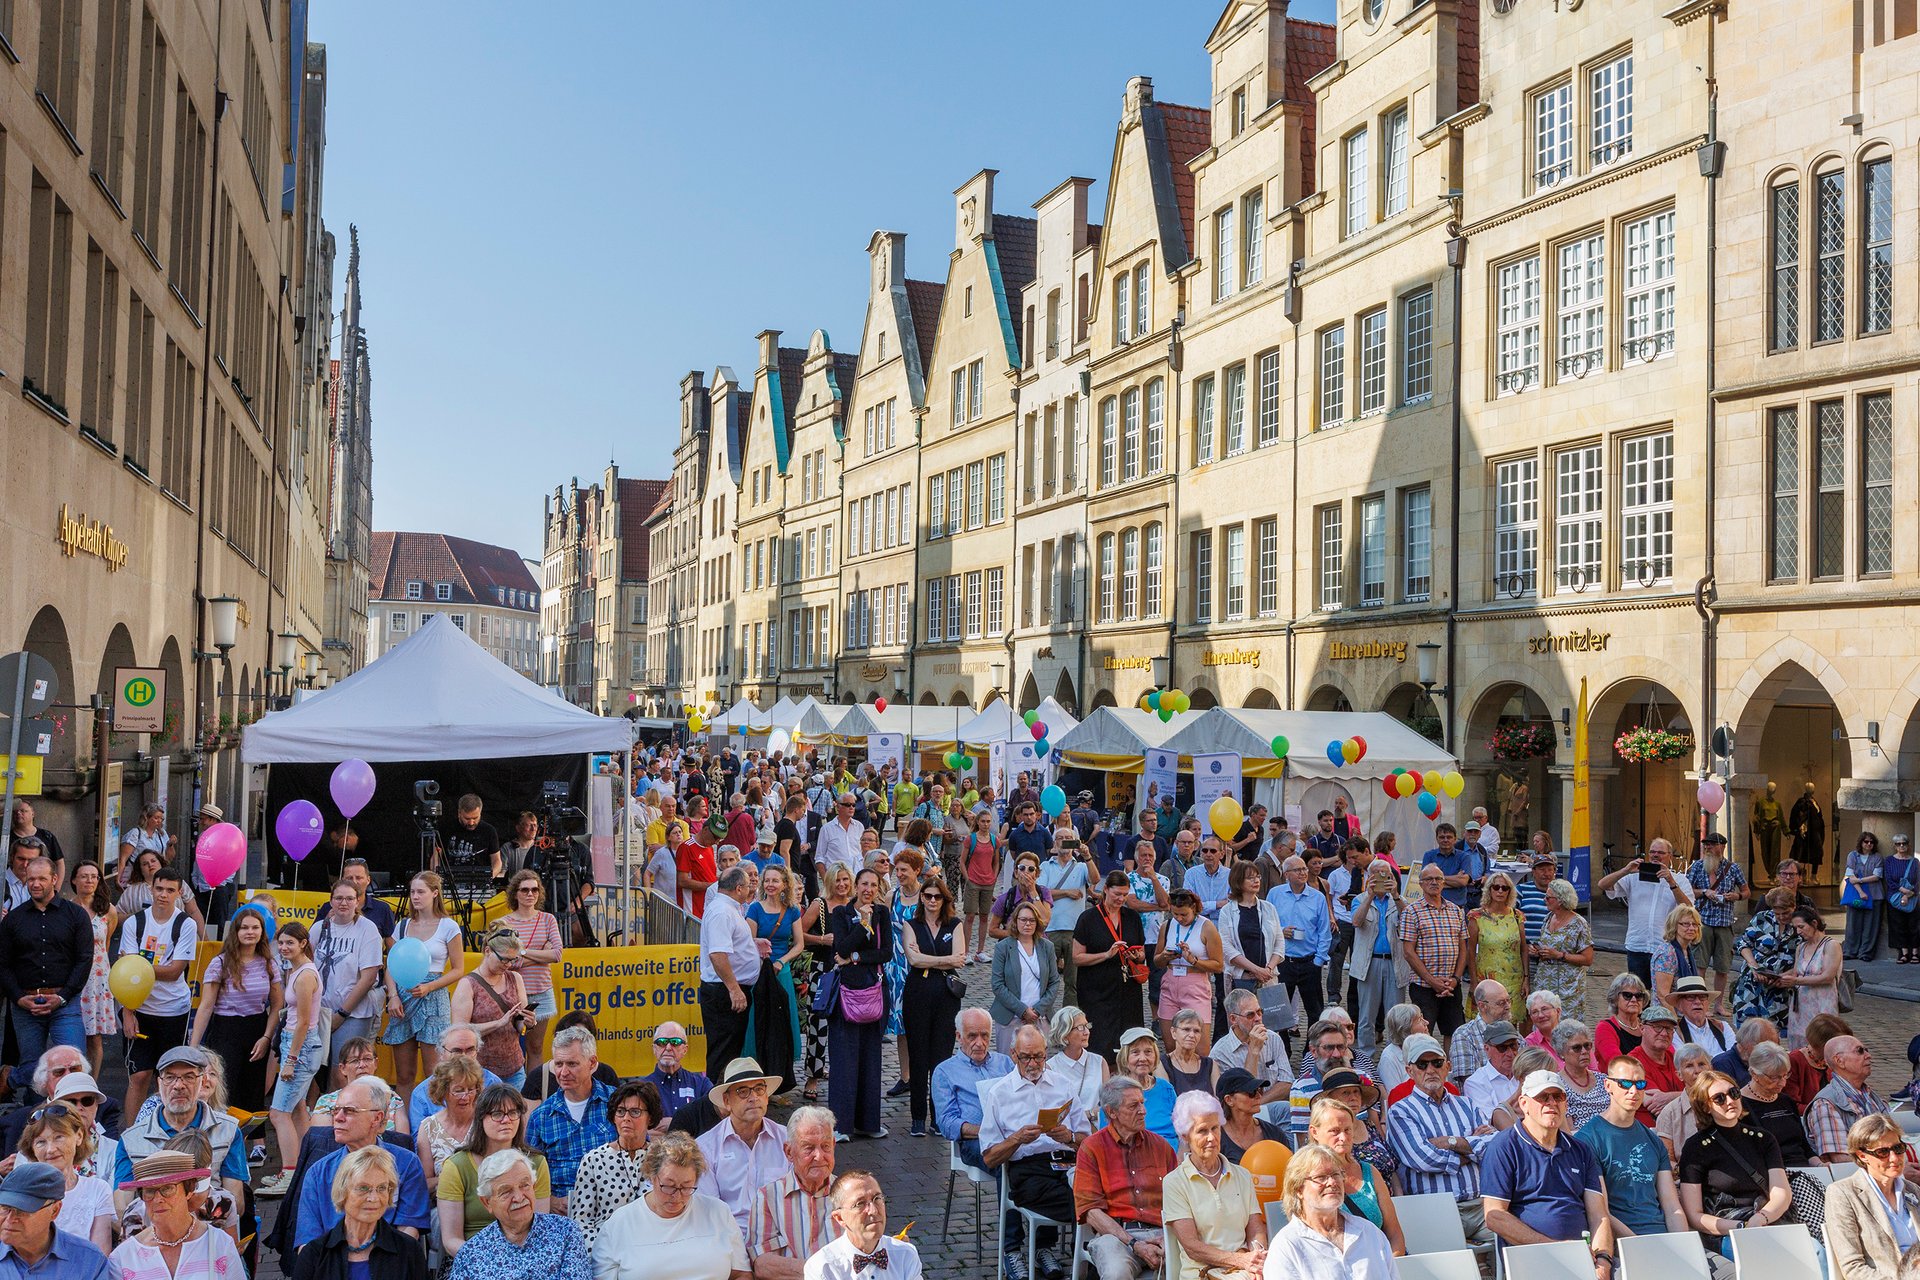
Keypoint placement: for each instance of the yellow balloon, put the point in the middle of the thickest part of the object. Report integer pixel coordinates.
(1454, 784)
(1404, 784)
(1435, 781)
(1349, 750)
(131, 980)
(1225, 815)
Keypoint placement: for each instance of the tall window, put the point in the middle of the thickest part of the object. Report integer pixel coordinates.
(1647, 295)
(976, 494)
(1783, 453)
(1876, 262)
(1829, 489)
(1516, 519)
(996, 488)
(936, 612)
(1236, 410)
(1268, 430)
(1150, 582)
(974, 601)
(1156, 427)
(1223, 254)
(1876, 479)
(1577, 524)
(1784, 274)
(1203, 426)
(1130, 574)
(1830, 256)
(1610, 95)
(1416, 347)
(1122, 309)
(49, 275)
(1266, 537)
(959, 396)
(936, 505)
(1373, 363)
(1393, 162)
(1583, 306)
(1646, 510)
(1333, 587)
(1130, 434)
(956, 481)
(976, 378)
(1373, 551)
(1553, 136)
(953, 606)
(1203, 576)
(996, 600)
(1236, 549)
(1109, 442)
(1518, 335)
(1333, 375)
(1106, 577)
(1142, 306)
(1253, 232)
(1357, 191)
(1416, 543)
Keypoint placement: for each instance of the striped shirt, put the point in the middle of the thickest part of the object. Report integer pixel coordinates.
(1425, 1168)
(790, 1221)
(1438, 935)
(1833, 1112)
(1533, 907)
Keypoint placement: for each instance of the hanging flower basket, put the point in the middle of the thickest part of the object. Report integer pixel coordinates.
(1527, 740)
(1643, 745)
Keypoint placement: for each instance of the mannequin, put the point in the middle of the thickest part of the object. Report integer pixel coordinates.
(1765, 821)
(1809, 828)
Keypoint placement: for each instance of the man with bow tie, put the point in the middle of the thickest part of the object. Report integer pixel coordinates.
(863, 1250)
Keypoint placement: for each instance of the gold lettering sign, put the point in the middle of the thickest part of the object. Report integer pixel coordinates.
(78, 535)
(244, 614)
(1355, 650)
(1230, 658)
(1112, 663)
(873, 671)
(1588, 641)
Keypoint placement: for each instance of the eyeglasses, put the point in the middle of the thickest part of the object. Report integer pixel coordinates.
(630, 1113)
(351, 1112)
(1430, 1064)
(661, 1042)
(1626, 1084)
(365, 1192)
(1498, 888)
(933, 895)
(674, 1188)
(52, 1109)
(1634, 995)
(496, 1114)
(1584, 1047)
(1325, 1179)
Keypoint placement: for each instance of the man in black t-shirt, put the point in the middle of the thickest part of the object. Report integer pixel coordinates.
(470, 844)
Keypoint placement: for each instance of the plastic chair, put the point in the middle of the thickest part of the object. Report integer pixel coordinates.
(1557, 1260)
(1785, 1252)
(1032, 1220)
(1671, 1256)
(979, 1179)
(1431, 1223)
(1276, 1217)
(1453, 1264)
(1841, 1169)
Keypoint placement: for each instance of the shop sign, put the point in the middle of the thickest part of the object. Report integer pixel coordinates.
(1588, 641)
(1114, 663)
(1358, 650)
(873, 671)
(78, 535)
(1230, 658)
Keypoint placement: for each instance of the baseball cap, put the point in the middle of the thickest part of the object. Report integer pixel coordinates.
(1136, 1033)
(1473, 826)
(1238, 1080)
(1660, 1013)
(1538, 1082)
(1416, 1047)
(1714, 837)
(1501, 1032)
(1695, 986)
(1546, 856)
(32, 1186)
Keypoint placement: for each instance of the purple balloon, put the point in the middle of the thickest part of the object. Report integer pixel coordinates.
(299, 828)
(352, 785)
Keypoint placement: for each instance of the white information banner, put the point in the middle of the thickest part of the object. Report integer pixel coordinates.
(1159, 777)
(1022, 758)
(884, 748)
(1215, 775)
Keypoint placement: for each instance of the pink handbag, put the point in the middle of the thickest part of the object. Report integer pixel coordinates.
(863, 1004)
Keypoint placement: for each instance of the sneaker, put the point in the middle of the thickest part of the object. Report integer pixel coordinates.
(900, 1088)
(918, 1131)
(841, 1137)
(1013, 1265)
(275, 1187)
(1051, 1263)
(881, 1132)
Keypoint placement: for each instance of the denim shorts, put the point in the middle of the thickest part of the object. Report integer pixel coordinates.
(421, 1019)
(289, 1094)
(542, 1003)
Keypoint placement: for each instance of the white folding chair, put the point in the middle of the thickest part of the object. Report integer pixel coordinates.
(1454, 1264)
(1430, 1223)
(1555, 1260)
(1276, 1217)
(1841, 1169)
(979, 1178)
(1785, 1252)
(1674, 1255)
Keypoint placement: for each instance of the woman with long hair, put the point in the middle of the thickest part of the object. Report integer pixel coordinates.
(540, 944)
(862, 945)
(417, 1016)
(138, 895)
(1815, 977)
(501, 1126)
(936, 947)
(975, 863)
(1497, 937)
(1334, 1124)
(299, 1054)
(775, 920)
(908, 864)
(816, 929)
(240, 1000)
(98, 1015)
(1190, 952)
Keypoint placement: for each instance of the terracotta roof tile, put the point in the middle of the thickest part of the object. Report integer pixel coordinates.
(1189, 132)
(1016, 243)
(637, 501)
(846, 367)
(1467, 46)
(1311, 49)
(472, 569)
(923, 300)
(662, 506)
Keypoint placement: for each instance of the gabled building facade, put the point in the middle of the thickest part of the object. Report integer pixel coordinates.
(813, 508)
(765, 528)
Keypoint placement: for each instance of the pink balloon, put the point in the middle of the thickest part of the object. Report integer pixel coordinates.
(220, 851)
(1711, 795)
(351, 785)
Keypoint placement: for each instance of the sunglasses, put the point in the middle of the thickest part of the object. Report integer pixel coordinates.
(53, 1109)
(1627, 1084)
(1885, 1153)
(1721, 1097)
(1430, 1064)
(1634, 995)
(668, 1041)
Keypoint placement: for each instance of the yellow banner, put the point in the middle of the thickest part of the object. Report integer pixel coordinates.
(305, 905)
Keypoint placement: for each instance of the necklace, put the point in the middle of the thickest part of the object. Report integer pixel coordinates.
(165, 1243)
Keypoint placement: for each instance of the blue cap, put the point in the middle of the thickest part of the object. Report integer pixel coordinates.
(31, 1187)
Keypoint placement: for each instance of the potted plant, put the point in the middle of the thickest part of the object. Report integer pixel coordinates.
(1523, 740)
(1644, 744)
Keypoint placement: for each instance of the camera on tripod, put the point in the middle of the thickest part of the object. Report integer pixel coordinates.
(560, 820)
(427, 808)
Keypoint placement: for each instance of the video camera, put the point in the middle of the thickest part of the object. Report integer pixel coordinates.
(560, 820)
(427, 808)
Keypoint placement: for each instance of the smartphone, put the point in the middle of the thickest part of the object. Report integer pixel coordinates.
(1649, 871)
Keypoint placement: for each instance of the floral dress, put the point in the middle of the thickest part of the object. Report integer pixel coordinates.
(1772, 944)
(96, 1001)
(895, 974)
(1499, 955)
(1568, 981)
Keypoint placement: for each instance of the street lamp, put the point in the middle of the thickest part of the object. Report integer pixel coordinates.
(1160, 669)
(223, 622)
(1427, 655)
(285, 646)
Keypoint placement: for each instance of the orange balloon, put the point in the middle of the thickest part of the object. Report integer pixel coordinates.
(1267, 1161)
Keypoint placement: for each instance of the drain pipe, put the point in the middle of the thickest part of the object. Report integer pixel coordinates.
(1712, 155)
(1292, 311)
(1457, 261)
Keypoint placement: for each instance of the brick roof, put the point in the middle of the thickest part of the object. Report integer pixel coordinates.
(663, 505)
(472, 569)
(1467, 45)
(1311, 49)
(637, 501)
(1189, 132)
(1016, 243)
(923, 300)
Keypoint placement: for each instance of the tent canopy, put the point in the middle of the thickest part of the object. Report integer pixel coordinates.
(1000, 723)
(1250, 733)
(782, 714)
(927, 728)
(1116, 739)
(435, 696)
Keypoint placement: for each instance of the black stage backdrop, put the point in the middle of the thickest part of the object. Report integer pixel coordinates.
(388, 838)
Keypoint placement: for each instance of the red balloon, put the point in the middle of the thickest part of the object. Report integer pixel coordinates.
(1360, 742)
(1418, 780)
(1390, 785)
(879, 704)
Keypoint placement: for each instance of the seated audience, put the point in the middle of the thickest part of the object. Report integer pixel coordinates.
(1322, 1236)
(609, 1176)
(1440, 1137)
(674, 1231)
(1213, 1220)
(1731, 1175)
(521, 1240)
(1873, 1214)
(502, 1124)
(793, 1217)
(1117, 1184)
(1540, 1185)
(1634, 1164)
(1036, 1159)
(363, 1243)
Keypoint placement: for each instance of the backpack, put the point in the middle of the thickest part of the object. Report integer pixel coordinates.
(140, 918)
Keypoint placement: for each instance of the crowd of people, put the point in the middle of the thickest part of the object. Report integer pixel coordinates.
(1163, 1011)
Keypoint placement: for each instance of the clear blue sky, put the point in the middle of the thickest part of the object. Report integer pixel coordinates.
(565, 207)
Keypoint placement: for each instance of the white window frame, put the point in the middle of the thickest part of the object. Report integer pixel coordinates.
(1267, 419)
(1204, 399)
(936, 505)
(1395, 140)
(1416, 544)
(1372, 398)
(1328, 530)
(1109, 442)
(1333, 376)
(1581, 306)
(1517, 325)
(1551, 116)
(1373, 551)
(1253, 237)
(1130, 434)
(1223, 254)
(1155, 460)
(1610, 111)
(1646, 510)
(1579, 517)
(1266, 536)
(976, 390)
(1647, 286)
(975, 599)
(1107, 549)
(1142, 302)
(954, 617)
(1203, 576)
(996, 488)
(1416, 347)
(1122, 309)
(996, 599)
(1129, 574)
(1234, 546)
(1356, 209)
(976, 494)
(1151, 552)
(1516, 527)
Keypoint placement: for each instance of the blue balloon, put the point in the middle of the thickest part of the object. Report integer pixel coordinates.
(1040, 747)
(1334, 754)
(408, 963)
(1429, 803)
(1053, 800)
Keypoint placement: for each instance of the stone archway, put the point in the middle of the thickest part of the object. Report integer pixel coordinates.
(927, 699)
(1202, 698)
(1029, 693)
(960, 699)
(1786, 735)
(1063, 693)
(1509, 784)
(1262, 699)
(47, 637)
(172, 737)
(1102, 698)
(1409, 704)
(1632, 802)
(1329, 698)
(118, 653)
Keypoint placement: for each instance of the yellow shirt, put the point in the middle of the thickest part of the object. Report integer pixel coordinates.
(1219, 1215)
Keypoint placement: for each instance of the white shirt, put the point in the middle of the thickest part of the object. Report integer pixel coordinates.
(736, 1172)
(838, 844)
(169, 997)
(638, 1244)
(1298, 1252)
(724, 931)
(86, 1200)
(1231, 1051)
(1716, 1038)
(1490, 838)
(1013, 1102)
(1648, 902)
(834, 1261)
(1489, 1090)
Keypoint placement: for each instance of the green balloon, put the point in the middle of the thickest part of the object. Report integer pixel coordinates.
(1030, 717)
(1280, 745)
